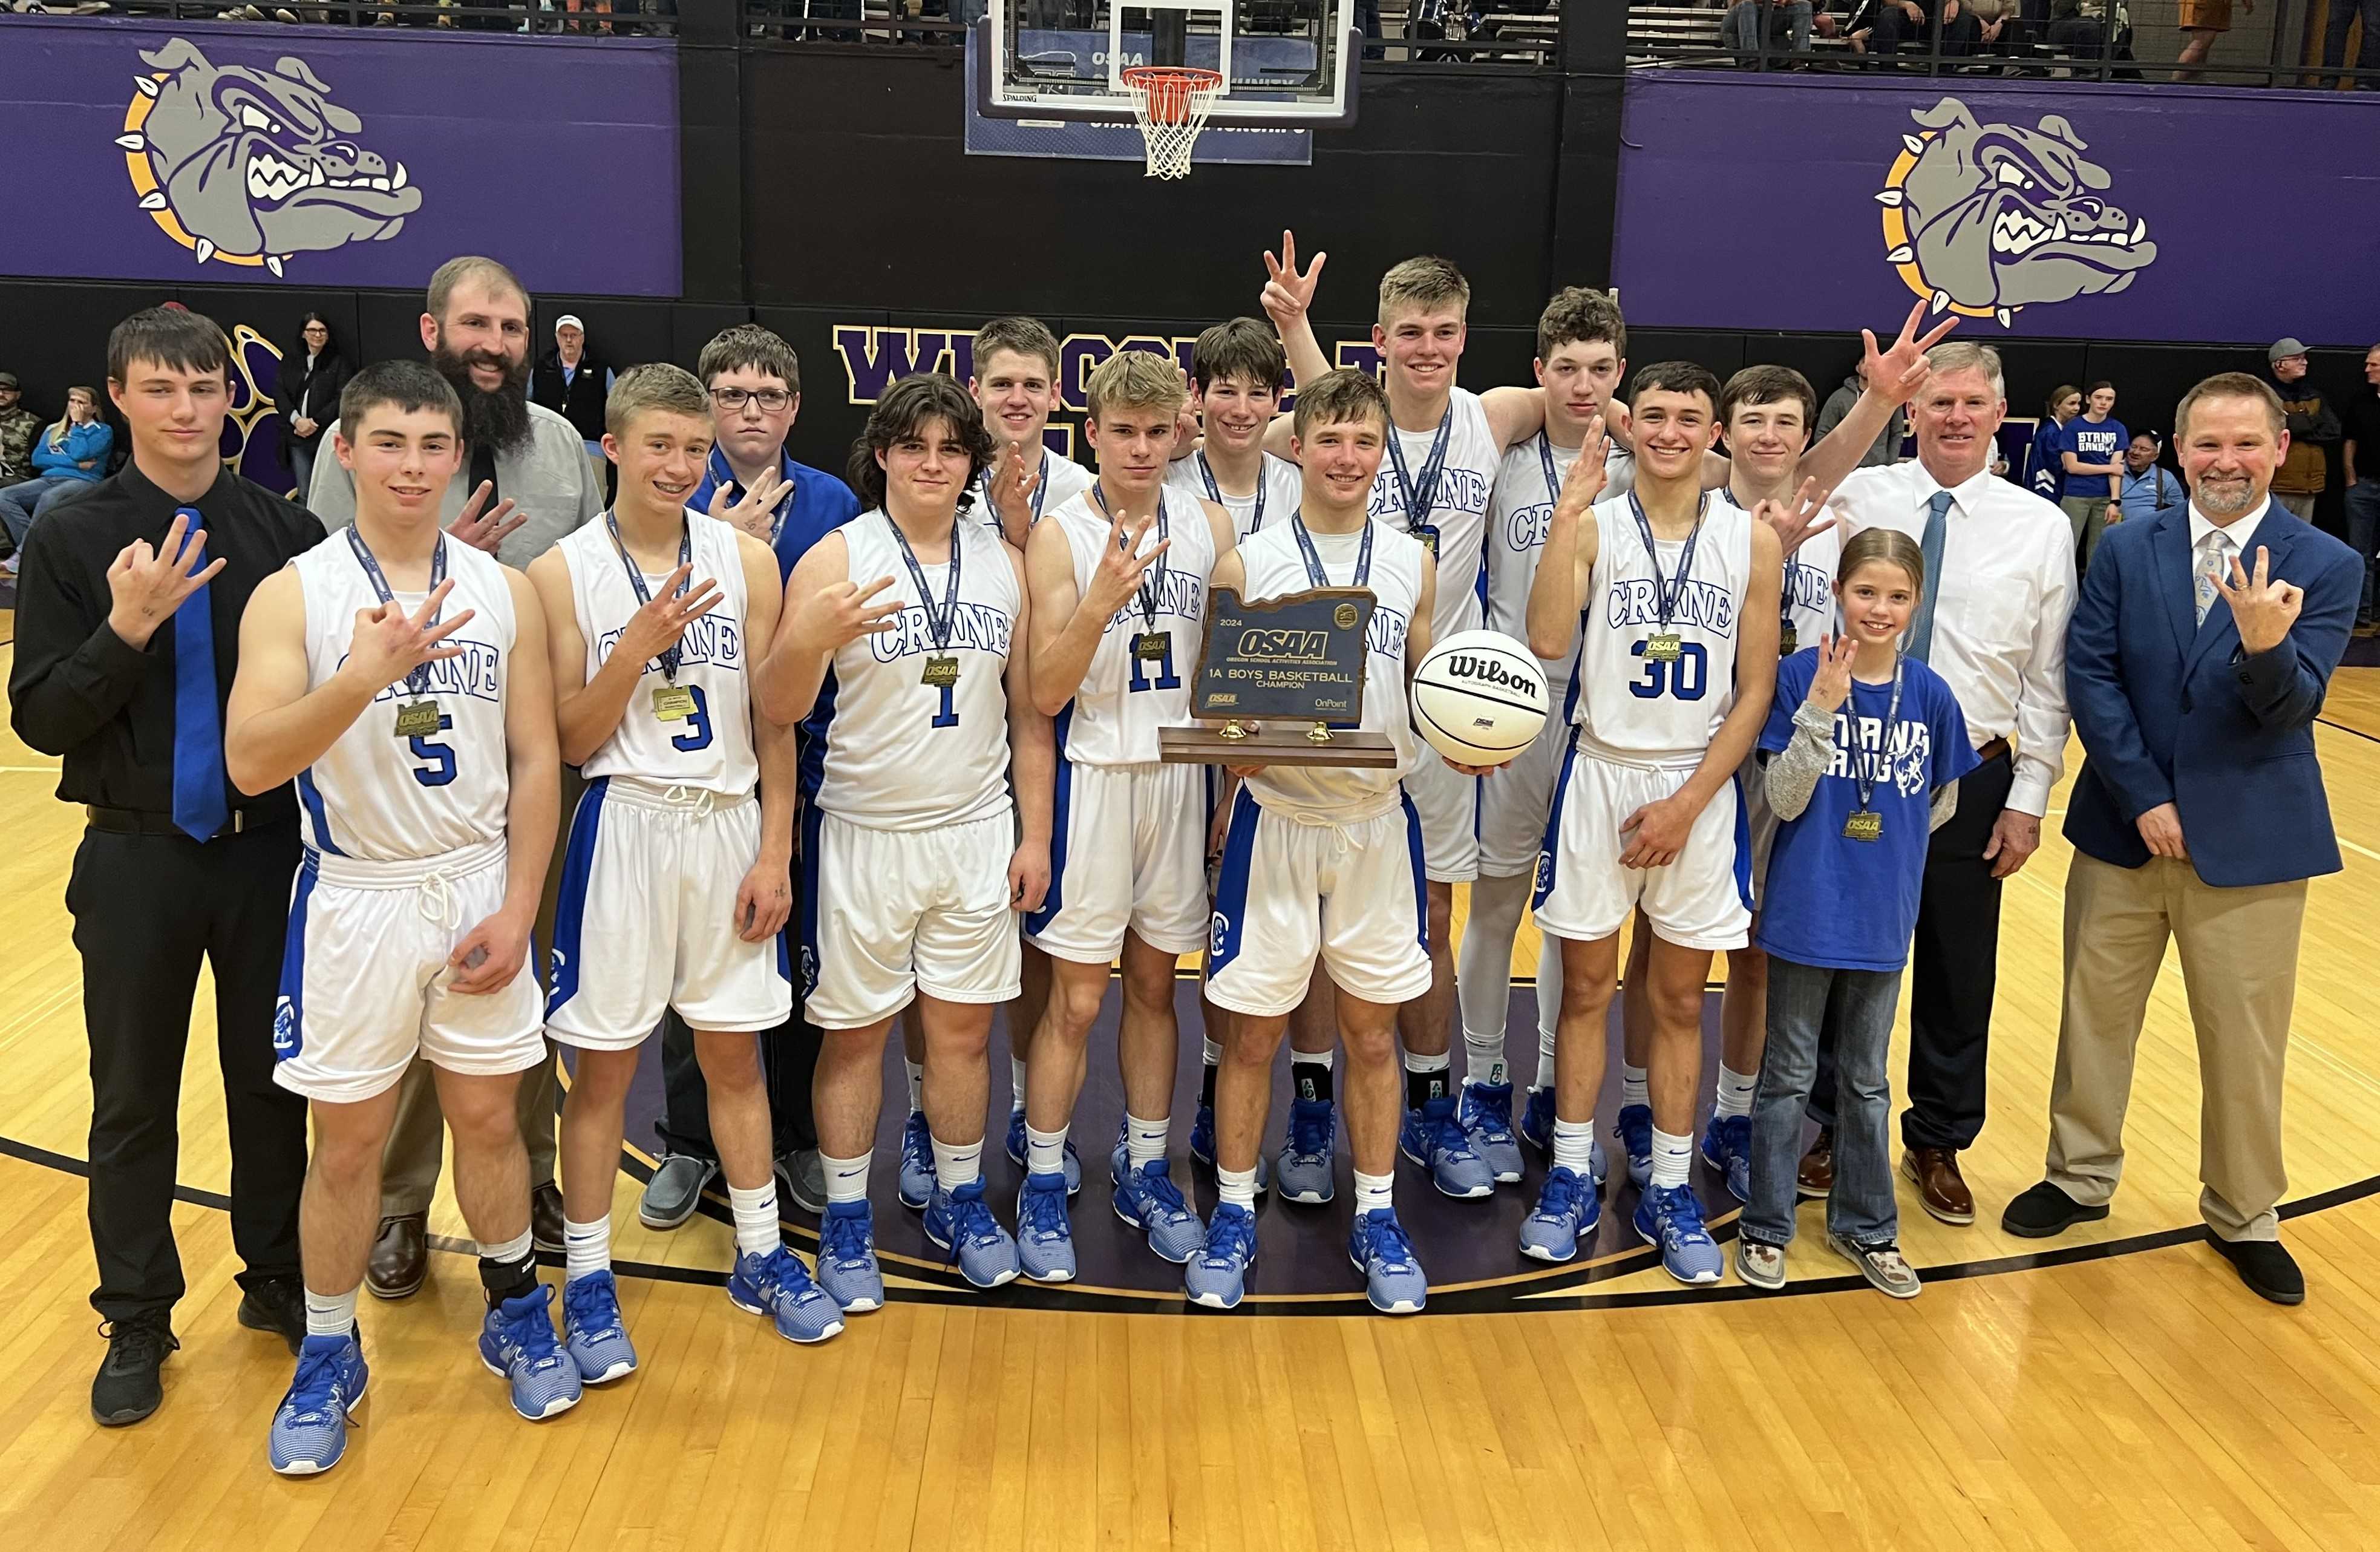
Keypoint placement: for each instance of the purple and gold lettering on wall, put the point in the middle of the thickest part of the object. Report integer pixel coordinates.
(2042, 208)
(326, 156)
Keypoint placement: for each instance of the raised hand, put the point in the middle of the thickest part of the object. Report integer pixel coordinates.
(1289, 291)
(757, 513)
(655, 628)
(2264, 607)
(486, 531)
(1012, 489)
(388, 643)
(835, 616)
(1584, 480)
(1831, 685)
(1899, 372)
(1796, 521)
(1122, 565)
(147, 585)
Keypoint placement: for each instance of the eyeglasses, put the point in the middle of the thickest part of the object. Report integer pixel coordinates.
(774, 400)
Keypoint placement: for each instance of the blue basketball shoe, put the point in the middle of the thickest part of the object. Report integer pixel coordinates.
(780, 1287)
(1434, 1139)
(1218, 1274)
(1566, 1208)
(1392, 1277)
(1305, 1163)
(1727, 1147)
(1672, 1219)
(1017, 1154)
(846, 1258)
(1151, 1203)
(916, 1162)
(517, 1344)
(309, 1431)
(961, 1226)
(1045, 1240)
(592, 1330)
(1487, 1117)
(1634, 1127)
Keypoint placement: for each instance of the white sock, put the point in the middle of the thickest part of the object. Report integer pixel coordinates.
(957, 1164)
(846, 1179)
(1575, 1146)
(1016, 1081)
(1143, 1141)
(1045, 1152)
(1633, 1089)
(1212, 1053)
(1672, 1156)
(1375, 1193)
(1236, 1188)
(756, 1219)
(1735, 1091)
(1484, 1056)
(587, 1247)
(510, 1252)
(330, 1315)
(916, 1086)
(1545, 1059)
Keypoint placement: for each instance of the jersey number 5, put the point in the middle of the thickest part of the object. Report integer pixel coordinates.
(1685, 679)
(441, 756)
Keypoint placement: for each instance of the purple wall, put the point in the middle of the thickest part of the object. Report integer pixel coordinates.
(2043, 209)
(336, 156)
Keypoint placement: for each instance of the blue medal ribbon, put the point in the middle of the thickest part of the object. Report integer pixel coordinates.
(938, 627)
(1421, 495)
(417, 680)
(1865, 778)
(671, 653)
(1215, 492)
(1152, 585)
(1667, 590)
(1314, 571)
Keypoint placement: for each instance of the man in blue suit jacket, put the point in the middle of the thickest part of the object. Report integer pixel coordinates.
(2198, 656)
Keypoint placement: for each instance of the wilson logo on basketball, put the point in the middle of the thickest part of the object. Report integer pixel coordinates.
(1487, 670)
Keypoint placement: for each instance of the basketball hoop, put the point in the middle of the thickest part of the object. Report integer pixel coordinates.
(1172, 106)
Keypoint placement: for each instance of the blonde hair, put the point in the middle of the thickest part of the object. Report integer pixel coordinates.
(1426, 282)
(1135, 380)
(57, 432)
(658, 385)
(1967, 356)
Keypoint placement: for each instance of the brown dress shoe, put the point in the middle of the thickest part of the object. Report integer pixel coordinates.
(400, 1257)
(1816, 1178)
(545, 1231)
(1941, 1188)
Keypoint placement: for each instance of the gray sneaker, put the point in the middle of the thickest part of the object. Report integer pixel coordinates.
(674, 1191)
(1881, 1265)
(802, 1174)
(1762, 1266)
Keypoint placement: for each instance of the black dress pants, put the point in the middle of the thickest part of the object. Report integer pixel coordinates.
(147, 909)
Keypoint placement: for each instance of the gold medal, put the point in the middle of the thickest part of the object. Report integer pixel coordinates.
(417, 719)
(1152, 646)
(1789, 640)
(1427, 534)
(941, 673)
(1864, 825)
(673, 703)
(1664, 647)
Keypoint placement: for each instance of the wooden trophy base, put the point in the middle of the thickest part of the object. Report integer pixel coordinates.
(1275, 743)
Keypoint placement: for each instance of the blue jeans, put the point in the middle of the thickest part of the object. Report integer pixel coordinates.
(2363, 531)
(2367, 56)
(1853, 1010)
(19, 505)
(1742, 26)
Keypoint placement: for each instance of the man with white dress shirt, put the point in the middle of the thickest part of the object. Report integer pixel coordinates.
(1999, 585)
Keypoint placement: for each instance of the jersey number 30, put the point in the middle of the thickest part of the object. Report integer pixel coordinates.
(1685, 679)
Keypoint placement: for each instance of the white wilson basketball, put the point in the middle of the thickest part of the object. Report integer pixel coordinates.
(1479, 697)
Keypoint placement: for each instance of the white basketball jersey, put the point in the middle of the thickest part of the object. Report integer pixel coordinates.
(1061, 481)
(1275, 566)
(1275, 497)
(1458, 505)
(900, 753)
(1808, 596)
(380, 798)
(710, 747)
(1635, 705)
(1125, 699)
(1526, 485)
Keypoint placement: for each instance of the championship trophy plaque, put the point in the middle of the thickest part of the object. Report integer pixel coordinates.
(1281, 683)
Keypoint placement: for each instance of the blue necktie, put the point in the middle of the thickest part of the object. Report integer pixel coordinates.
(199, 810)
(1921, 625)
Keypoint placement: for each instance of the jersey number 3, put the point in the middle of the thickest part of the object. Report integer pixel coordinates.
(1685, 679)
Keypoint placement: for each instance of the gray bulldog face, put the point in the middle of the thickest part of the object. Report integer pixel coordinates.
(2000, 217)
(257, 162)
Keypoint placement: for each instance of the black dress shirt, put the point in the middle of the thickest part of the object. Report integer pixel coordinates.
(80, 691)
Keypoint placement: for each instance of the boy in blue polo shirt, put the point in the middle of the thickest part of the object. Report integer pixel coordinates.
(1860, 737)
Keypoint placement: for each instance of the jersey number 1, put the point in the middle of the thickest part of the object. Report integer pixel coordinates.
(1166, 678)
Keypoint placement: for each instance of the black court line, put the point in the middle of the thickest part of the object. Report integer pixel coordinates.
(2330, 722)
(1468, 1302)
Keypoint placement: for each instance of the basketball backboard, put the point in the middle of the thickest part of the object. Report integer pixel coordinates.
(1289, 62)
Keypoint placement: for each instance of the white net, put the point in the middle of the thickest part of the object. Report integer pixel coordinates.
(1172, 109)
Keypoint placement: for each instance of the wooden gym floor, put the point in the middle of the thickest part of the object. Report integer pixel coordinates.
(2121, 1389)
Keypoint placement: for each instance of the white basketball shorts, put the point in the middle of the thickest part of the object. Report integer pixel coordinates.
(887, 913)
(645, 920)
(365, 985)
(1292, 886)
(1127, 850)
(1701, 901)
(1514, 802)
(1448, 802)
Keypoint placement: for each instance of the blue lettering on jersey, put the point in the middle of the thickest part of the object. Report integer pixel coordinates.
(1808, 588)
(710, 639)
(1636, 602)
(1386, 634)
(477, 673)
(1459, 490)
(979, 628)
(1903, 762)
(1179, 594)
(1525, 529)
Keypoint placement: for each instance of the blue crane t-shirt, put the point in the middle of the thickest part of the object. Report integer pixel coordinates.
(2103, 443)
(1850, 904)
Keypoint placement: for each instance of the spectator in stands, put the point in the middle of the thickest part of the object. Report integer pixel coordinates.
(2201, 21)
(18, 427)
(312, 375)
(2091, 464)
(2305, 473)
(2043, 472)
(575, 384)
(2367, 56)
(2149, 490)
(2362, 460)
(1889, 26)
(1787, 23)
(1844, 400)
(68, 459)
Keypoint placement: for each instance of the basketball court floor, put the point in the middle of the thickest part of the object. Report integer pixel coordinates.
(2115, 1387)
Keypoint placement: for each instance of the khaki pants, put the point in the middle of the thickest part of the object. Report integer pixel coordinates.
(416, 1150)
(2302, 506)
(2239, 965)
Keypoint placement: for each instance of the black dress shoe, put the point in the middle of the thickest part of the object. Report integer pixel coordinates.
(126, 1389)
(2044, 1210)
(276, 1304)
(400, 1257)
(2269, 1271)
(545, 1217)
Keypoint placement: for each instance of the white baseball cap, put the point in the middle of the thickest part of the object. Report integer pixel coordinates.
(568, 320)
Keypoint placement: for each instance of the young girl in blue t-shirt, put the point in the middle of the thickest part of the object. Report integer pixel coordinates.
(1859, 739)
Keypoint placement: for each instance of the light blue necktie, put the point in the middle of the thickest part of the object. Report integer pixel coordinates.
(199, 810)
(1921, 626)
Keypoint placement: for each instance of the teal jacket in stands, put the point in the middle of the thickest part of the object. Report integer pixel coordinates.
(83, 445)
